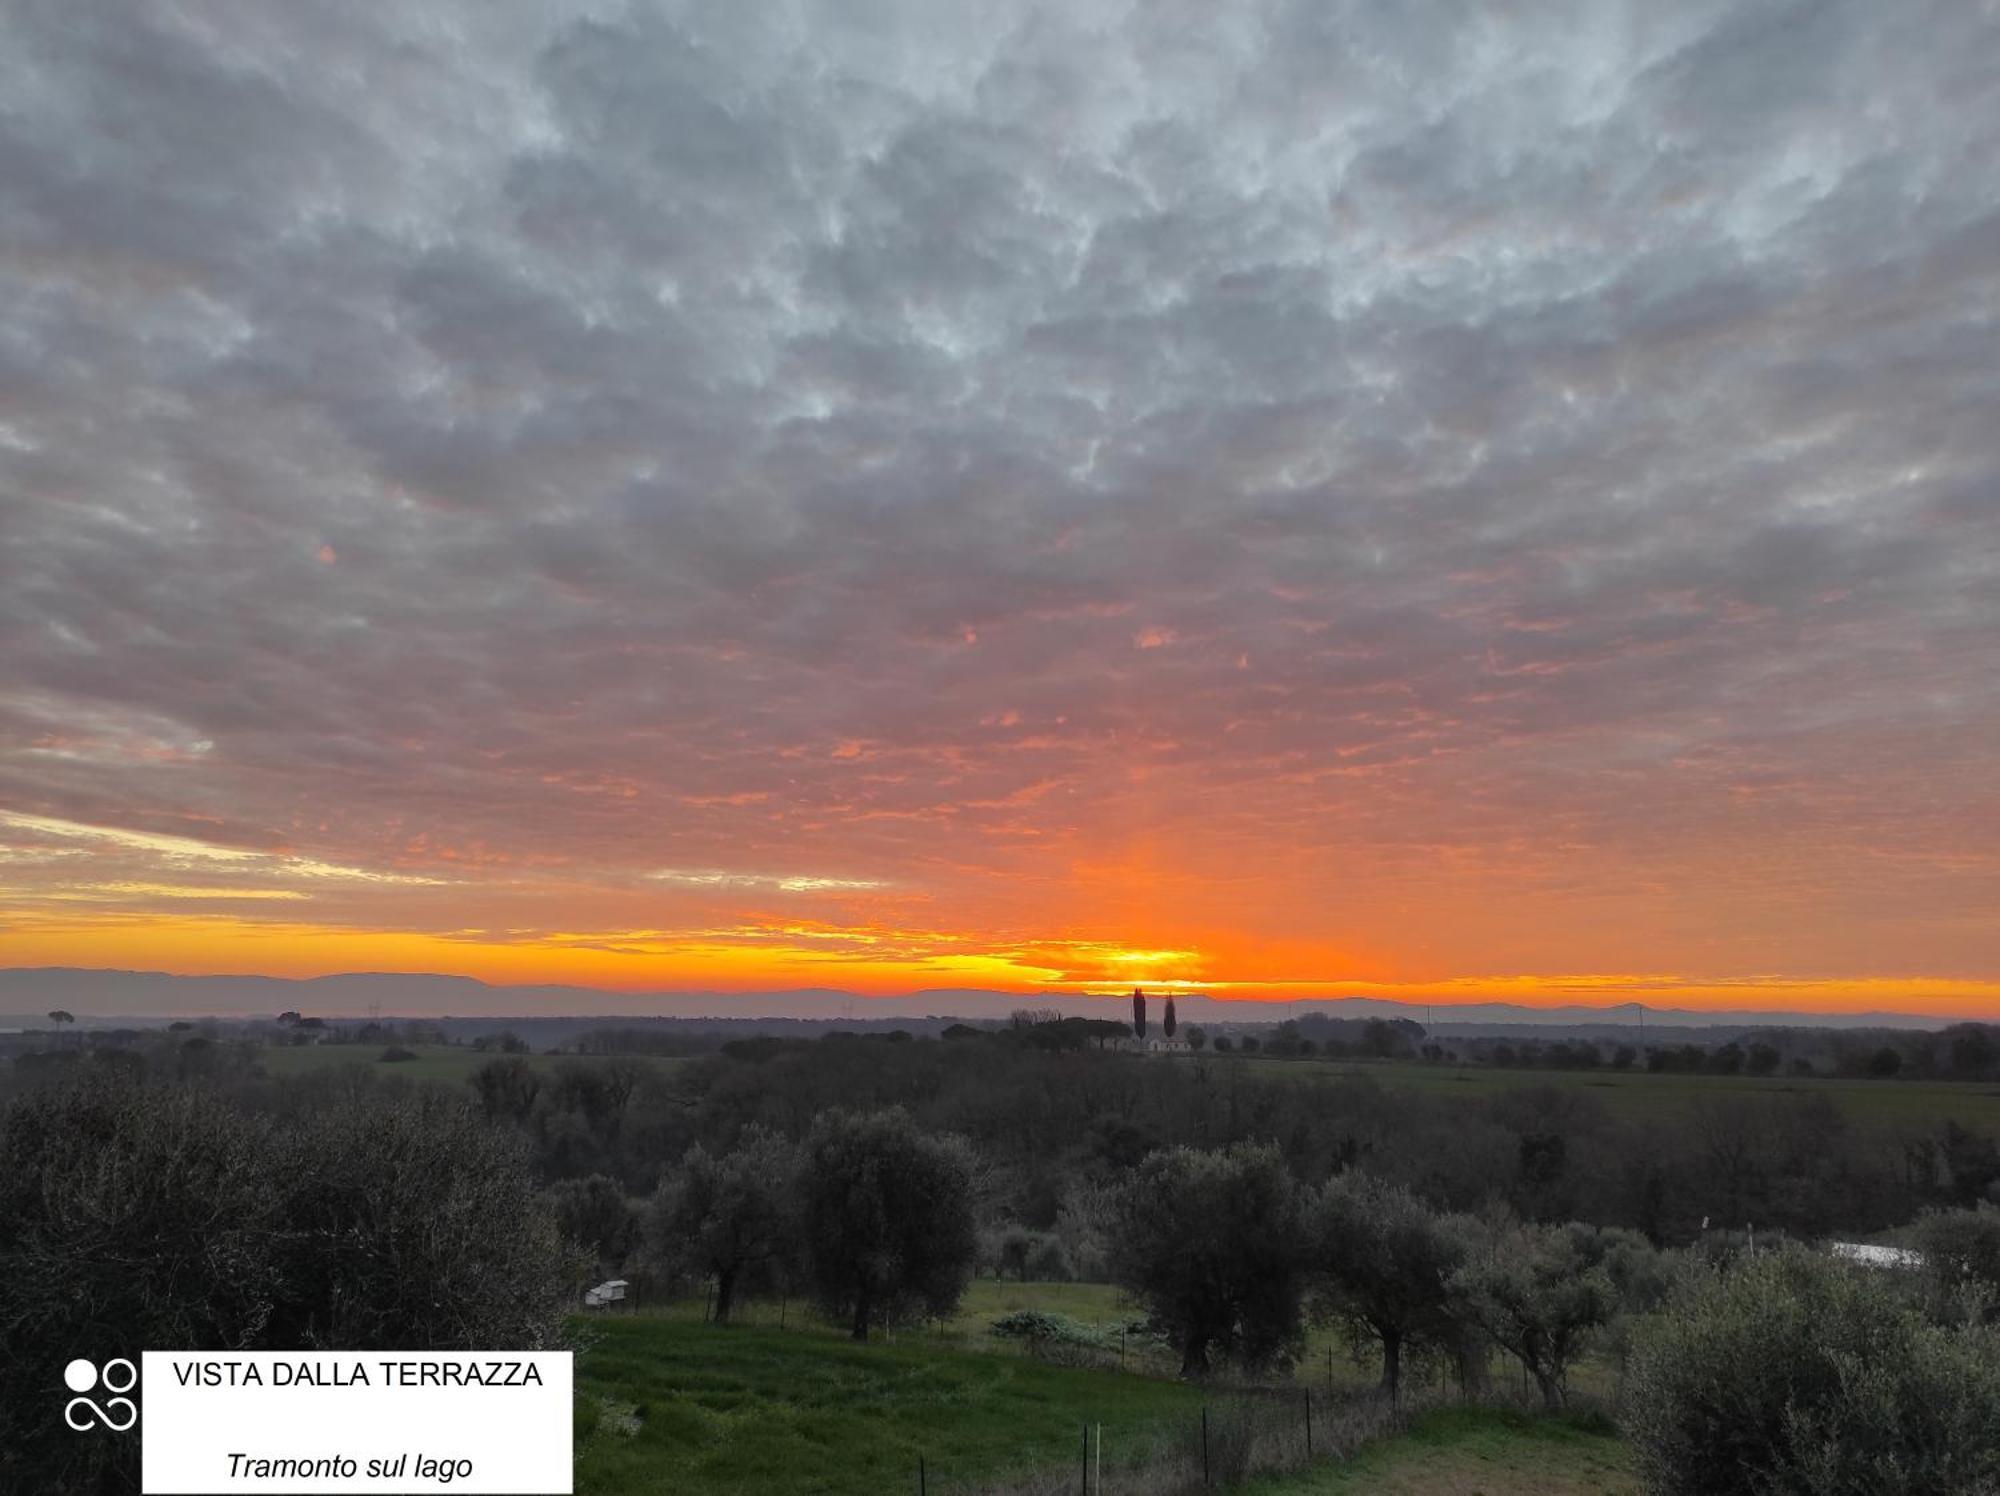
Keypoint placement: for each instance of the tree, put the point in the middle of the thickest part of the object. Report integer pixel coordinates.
(593, 1213)
(1167, 1021)
(414, 1225)
(59, 1017)
(730, 1216)
(1970, 1047)
(887, 1213)
(1382, 1264)
(1196, 1036)
(1885, 1062)
(1538, 1291)
(1794, 1374)
(507, 1088)
(1138, 1013)
(1209, 1243)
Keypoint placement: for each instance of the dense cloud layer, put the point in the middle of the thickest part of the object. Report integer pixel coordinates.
(1327, 490)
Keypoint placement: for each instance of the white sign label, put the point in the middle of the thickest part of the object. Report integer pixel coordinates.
(328, 1423)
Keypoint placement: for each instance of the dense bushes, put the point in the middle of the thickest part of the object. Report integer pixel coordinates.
(1795, 1374)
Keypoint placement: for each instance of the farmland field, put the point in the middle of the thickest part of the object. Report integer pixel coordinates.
(1639, 1093)
(667, 1403)
(781, 1402)
(1475, 1452)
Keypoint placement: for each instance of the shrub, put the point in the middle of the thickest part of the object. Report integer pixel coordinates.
(395, 1054)
(1794, 1374)
(1049, 1262)
(1036, 1326)
(1961, 1250)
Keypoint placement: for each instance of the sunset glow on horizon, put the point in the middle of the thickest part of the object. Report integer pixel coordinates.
(1043, 499)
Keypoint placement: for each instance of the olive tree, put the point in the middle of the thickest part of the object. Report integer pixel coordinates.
(1381, 1263)
(731, 1215)
(594, 1213)
(1209, 1242)
(1538, 1292)
(887, 1216)
(1791, 1373)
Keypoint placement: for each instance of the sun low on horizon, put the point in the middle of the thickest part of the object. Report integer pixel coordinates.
(1278, 502)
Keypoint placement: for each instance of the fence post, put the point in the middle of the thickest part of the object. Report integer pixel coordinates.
(1086, 1460)
(1329, 1371)
(1097, 1462)
(1204, 1447)
(1309, 1423)
(923, 1478)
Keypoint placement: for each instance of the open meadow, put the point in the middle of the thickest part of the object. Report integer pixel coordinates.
(668, 1403)
(782, 1401)
(1475, 1452)
(1638, 1094)
(1633, 1094)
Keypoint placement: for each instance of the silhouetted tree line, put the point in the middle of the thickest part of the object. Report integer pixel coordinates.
(1056, 1118)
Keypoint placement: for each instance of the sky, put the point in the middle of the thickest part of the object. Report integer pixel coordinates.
(1276, 499)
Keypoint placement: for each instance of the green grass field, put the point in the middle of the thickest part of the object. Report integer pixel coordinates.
(781, 1403)
(668, 1404)
(449, 1063)
(1326, 1362)
(1475, 1452)
(1640, 1094)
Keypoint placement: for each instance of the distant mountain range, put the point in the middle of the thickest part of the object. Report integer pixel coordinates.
(106, 998)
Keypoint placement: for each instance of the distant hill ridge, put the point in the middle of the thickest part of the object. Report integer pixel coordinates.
(102, 997)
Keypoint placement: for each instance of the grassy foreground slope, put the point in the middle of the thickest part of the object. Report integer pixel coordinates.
(1475, 1452)
(668, 1404)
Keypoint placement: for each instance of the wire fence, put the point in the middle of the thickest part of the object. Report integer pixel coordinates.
(1242, 1433)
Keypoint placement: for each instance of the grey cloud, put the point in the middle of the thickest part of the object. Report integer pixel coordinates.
(684, 391)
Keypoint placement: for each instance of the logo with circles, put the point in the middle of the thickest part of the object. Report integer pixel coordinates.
(117, 1412)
